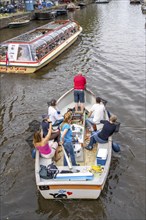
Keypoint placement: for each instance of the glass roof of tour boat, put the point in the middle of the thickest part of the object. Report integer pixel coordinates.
(37, 33)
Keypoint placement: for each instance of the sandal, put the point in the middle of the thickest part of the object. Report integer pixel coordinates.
(89, 147)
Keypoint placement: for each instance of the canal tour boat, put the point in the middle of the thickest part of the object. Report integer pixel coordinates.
(87, 180)
(31, 51)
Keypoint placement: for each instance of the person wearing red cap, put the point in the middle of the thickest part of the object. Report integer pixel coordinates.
(79, 87)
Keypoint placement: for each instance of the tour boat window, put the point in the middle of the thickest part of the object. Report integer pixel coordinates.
(38, 49)
(74, 27)
(54, 35)
(64, 29)
(60, 32)
(60, 35)
(3, 51)
(38, 43)
(48, 39)
(69, 25)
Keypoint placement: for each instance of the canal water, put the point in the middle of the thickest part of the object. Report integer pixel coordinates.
(111, 54)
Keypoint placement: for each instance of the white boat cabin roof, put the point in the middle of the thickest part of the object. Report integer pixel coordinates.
(42, 32)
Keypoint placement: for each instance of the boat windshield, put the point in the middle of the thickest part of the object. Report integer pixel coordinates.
(23, 53)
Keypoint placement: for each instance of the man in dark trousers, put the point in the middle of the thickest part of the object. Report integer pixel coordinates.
(102, 135)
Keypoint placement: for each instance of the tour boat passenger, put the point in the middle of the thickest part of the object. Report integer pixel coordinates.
(102, 135)
(46, 149)
(54, 113)
(67, 139)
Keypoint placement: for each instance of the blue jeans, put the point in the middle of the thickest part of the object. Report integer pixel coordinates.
(70, 152)
(79, 96)
(95, 138)
(89, 122)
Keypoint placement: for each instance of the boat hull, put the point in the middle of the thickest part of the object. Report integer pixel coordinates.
(61, 12)
(18, 24)
(45, 15)
(70, 191)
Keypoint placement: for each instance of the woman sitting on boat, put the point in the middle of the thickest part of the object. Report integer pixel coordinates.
(46, 150)
(102, 136)
(67, 139)
(54, 113)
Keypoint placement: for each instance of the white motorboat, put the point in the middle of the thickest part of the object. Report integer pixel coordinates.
(78, 182)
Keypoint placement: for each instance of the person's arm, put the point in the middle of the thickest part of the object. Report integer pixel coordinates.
(46, 139)
(63, 134)
(103, 121)
(91, 110)
(54, 131)
(90, 113)
(57, 115)
(85, 81)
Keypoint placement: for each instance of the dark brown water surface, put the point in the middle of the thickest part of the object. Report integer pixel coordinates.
(111, 54)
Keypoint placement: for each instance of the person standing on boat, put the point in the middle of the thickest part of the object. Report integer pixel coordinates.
(42, 144)
(79, 87)
(96, 114)
(102, 135)
(67, 139)
(54, 113)
(55, 135)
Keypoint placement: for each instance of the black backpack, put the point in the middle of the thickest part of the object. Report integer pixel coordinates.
(48, 172)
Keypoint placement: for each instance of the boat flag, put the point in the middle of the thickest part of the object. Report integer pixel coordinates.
(7, 59)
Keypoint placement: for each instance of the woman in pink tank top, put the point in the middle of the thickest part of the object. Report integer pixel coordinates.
(42, 144)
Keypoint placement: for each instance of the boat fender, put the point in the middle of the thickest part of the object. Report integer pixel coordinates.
(33, 153)
(115, 147)
(96, 168)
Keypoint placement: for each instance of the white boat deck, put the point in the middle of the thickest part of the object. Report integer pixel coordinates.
(86, 161)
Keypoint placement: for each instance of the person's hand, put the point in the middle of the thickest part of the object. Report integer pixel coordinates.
(49, 121)
(54, 131)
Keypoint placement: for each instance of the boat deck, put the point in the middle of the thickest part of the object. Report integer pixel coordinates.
(88, 158)
(85, 158)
